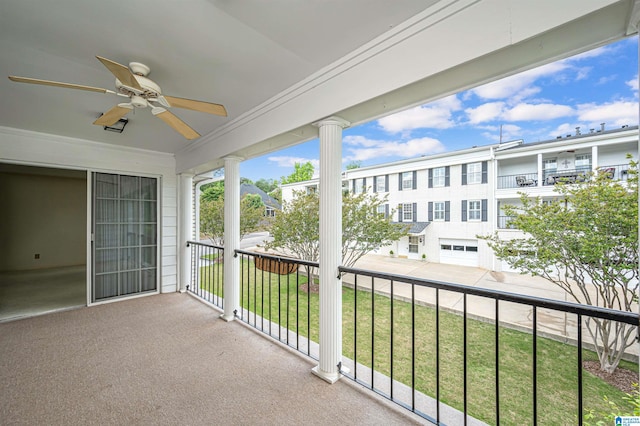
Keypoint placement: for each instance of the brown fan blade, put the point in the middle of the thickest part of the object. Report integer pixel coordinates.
(113, 115)
(177, 124)
(57, 84)
(201, 106)
(121, 72)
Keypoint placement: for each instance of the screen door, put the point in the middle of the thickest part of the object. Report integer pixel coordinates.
(124, 235)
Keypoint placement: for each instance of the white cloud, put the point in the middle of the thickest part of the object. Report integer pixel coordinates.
(633, 84)
(435, 115)
(285, 161)
(545, 111)
(362, 149)
(515, 85)
(504, 133)
(616, 113)
(485, 112)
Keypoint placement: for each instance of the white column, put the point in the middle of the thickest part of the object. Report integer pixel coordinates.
(540, 180)
(231, 237)
(595, 162)
(185, 230)
(330, 248)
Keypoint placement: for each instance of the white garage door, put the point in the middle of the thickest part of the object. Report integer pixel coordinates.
(459, 252)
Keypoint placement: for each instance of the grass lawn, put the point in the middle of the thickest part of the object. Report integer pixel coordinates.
(557, 373)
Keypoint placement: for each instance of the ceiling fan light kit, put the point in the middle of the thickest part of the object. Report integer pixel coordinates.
(132, 82)
(118, 126)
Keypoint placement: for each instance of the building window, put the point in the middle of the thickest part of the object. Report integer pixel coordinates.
(445, 247)
(381, 184)
(583, 162)
(382, 210)
(413, 244)
(475, 210)
(439, 176)
(358, 186)
(270, 211)
(407, 212)
(549, 166)
(407, 180)
(312, 189)
(474, 173)
(438, 210)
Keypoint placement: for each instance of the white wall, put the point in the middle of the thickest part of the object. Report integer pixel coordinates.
(39, 149)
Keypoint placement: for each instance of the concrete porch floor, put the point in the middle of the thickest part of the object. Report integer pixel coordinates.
(166, 359)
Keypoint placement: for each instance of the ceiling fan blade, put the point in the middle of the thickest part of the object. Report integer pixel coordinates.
(113, 115)
(57, 84)
(121, 72)
(201, 106)
(177, 124)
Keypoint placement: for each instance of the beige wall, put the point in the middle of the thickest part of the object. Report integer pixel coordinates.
(43, 214)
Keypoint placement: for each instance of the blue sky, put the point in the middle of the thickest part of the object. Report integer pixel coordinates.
(599, 86)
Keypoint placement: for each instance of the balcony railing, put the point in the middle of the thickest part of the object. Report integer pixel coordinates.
(207, 273)
(279, 297)
(450, 353)
(504, 222)
(551, 177)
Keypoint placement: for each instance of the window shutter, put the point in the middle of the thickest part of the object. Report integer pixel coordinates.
(415, 179)
(446, 176)
(447, 211)
(364, 184)
(484, 172)
(375, 184)
(484, 210)
(400, 181)
(430, 185)
(464, 174)
(430, 210)
(415, 212)
(399, 212)
(386, 183)
(353, 186)
(464, 210)
(386, 211)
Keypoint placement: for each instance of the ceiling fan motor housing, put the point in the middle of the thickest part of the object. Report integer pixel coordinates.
(138, 101)
(149, 88)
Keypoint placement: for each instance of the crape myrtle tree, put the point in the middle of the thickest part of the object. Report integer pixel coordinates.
(296, 229)
(212, 217)
(585, 242)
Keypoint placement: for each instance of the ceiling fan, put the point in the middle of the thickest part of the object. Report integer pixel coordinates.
(132, 83)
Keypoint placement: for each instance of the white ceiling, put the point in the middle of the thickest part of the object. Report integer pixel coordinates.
(237, 53)
(276, 65)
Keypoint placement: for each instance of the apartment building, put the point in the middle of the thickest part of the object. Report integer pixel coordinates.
(449, 199)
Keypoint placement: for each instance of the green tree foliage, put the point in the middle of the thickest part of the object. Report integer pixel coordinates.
(267, 185)
(212, 191)
(296, 228)
(354, 165)
(586, 242)
(300, 173)
(212, 217)
(215, 190)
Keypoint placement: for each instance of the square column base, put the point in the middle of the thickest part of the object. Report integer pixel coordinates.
(327, 377)
(228, 318)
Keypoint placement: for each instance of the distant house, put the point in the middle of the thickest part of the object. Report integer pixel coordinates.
(271, 204)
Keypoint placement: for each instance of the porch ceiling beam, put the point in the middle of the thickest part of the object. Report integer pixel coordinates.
(487, 41)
